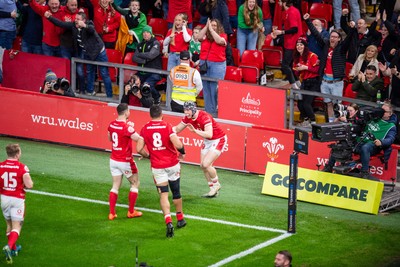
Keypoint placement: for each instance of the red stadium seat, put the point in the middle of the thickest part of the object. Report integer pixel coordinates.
(273, 56)
(236, 56)
(161, 40)
(348, 92)
(128, 61)
(114, 56)
(159, 26)
(323, 12)
(252, 64)
(233, 74)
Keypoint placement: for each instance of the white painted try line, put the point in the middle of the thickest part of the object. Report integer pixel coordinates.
(283, 235)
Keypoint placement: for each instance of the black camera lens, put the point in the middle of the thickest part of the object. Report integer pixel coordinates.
(134, 89)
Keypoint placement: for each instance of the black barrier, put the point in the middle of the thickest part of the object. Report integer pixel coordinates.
(292, 197)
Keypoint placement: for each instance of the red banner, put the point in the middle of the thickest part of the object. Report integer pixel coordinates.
(84, 123)
(259, 105)
(27, 71)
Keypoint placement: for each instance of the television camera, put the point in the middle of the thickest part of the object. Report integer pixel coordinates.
(347, 136)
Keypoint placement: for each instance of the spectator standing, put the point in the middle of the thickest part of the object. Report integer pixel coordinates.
(195, 47)
(121, 133)
(283, 259)
(291, 33)
(267, 18)
(364, 60)
(148, 55)
(250, 21)
(362, 37)
(387, 40)
(106, 22)
(337, 12)
(162, 144)
(66, 41)
(92, 48)
(233, 12)
(131, 27)
(186, 83)
(176, 7)
(215, 142)
(368, 84)
(213, 51)
(33, 30)
(52, 86)
(177, 40)
(313, 44)
(51, 32)
(15, 178)
(218, 9)
(393, 72)
(305, 63)
(332, 63)
(133, 95)
(8, 27)
(155, 6)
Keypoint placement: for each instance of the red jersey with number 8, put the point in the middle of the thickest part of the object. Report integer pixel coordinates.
(120, 133)
(12, 183)
(156, 136)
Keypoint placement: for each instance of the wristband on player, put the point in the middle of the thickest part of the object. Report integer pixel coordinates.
(181, 150)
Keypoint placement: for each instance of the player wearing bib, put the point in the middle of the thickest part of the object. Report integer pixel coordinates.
(121, 133)
(162, 142)
(215, 142)
(15, 178)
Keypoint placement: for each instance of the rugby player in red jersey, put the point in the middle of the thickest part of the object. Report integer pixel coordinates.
(121, 133)
(215, 142)
(162, 144)
(15, 178)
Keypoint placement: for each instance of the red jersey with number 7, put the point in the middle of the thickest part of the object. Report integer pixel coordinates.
(12, 182)
(156, 136)
(120, 133)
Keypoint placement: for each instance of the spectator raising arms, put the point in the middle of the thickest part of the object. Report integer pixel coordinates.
(250, 20)
(92, 48)
(51, 33)
(213, 51)
(132, 23)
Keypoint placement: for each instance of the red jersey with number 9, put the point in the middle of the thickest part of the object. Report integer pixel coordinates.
(120, 133)
(11, 182)
(156, 136)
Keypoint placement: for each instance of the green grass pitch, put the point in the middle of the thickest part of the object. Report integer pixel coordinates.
(66, 220)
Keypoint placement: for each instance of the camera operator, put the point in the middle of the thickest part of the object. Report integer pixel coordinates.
(54, 86)
(379, 134)
(351, 114)
(136, 94)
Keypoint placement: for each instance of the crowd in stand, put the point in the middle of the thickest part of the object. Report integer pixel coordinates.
(348, 51)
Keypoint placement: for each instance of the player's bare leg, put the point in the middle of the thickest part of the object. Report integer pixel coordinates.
(113, 197)
(210, 173)
(133, 195)
(165, 207)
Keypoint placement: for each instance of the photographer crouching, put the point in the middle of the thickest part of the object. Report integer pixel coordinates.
(136, 94)
(378, 134)
(56, 86)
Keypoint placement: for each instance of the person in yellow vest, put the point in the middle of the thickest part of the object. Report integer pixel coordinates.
(186, 83)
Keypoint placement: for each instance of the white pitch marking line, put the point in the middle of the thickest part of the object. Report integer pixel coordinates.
(283, 235)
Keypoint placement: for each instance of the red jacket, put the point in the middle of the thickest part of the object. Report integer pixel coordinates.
(51, 33)
(106, 18)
